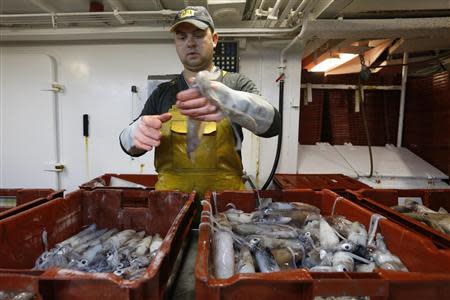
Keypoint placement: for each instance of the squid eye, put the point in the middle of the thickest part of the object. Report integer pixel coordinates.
(346, 247)
(344, 270)
(84, 261)
(120, 265)
(118, 272)
(307, 234)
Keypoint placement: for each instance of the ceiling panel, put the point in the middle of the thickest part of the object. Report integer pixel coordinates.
(396, 9)
(222, 11)
(19, 7)
(423, 44)
(395, 5)
(32, 6)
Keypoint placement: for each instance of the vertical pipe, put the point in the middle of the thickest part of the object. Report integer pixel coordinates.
(304, 24)
(56, 120)
(299, 8)
(402, 99)
(258, 11)
(294, 40)
(261, 4)
(274, 13)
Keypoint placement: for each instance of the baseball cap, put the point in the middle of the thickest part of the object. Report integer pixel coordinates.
(196, 15)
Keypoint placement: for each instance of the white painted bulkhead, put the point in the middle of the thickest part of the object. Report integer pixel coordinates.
(97, 80)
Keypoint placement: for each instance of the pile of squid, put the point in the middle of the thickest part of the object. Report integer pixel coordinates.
(125, 253)
(4, 295)
(438, 220)
(279, 236)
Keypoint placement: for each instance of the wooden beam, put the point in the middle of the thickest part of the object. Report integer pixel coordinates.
(324, 52)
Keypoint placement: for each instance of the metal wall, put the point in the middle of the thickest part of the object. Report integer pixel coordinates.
(97, 80)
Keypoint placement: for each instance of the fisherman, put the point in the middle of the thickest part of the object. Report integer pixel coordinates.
(163, 121)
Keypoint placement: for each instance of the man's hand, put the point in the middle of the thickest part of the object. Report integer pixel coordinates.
(148, 134)
(194, 105)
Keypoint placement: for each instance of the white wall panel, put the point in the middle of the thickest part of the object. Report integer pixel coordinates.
(261, 64)
(26, 121)
(98, 79)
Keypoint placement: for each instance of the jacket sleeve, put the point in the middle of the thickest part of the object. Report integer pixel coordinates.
(243, 105)
(247, 85)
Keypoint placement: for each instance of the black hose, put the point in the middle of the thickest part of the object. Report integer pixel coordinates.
(366, 128)
(280, 135)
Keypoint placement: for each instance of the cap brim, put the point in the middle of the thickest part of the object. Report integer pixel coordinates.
(196, 23)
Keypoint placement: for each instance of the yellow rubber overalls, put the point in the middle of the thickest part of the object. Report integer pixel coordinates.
(215, 166)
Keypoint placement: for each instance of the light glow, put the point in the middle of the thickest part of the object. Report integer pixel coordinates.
(331, 63)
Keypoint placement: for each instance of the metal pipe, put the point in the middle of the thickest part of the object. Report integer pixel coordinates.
(56, 120)
(117, 4)
(294, 40)
(401, 113)
(126, 32)
(259, 12)
(274, 12)
(261, 4)
(321, 28)
(119, 17)
(299, 8)
(257, 31)
(352, 87)
(304, 25)
(164, 12)
(286, 11)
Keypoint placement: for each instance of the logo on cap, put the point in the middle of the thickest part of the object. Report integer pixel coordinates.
(186, 13)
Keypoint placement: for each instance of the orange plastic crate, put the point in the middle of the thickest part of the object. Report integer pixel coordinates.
(380, 201)
(26, 198)
(147, 180)
(167, 213)
(317, 182)
(429, 277)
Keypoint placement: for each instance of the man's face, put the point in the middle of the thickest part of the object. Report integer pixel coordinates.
(194, 46)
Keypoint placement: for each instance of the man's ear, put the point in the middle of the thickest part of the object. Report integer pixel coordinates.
(215, 38)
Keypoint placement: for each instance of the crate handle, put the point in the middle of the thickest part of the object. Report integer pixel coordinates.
(132, 203)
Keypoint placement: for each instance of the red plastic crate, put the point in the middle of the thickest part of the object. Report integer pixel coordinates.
(167, 213)
(103, 182)
(334, 182)
(18, 283)
(26, 198)
(380, 201)
(429, 266)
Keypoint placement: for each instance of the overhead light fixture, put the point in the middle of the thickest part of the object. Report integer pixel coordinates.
(333, 62)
